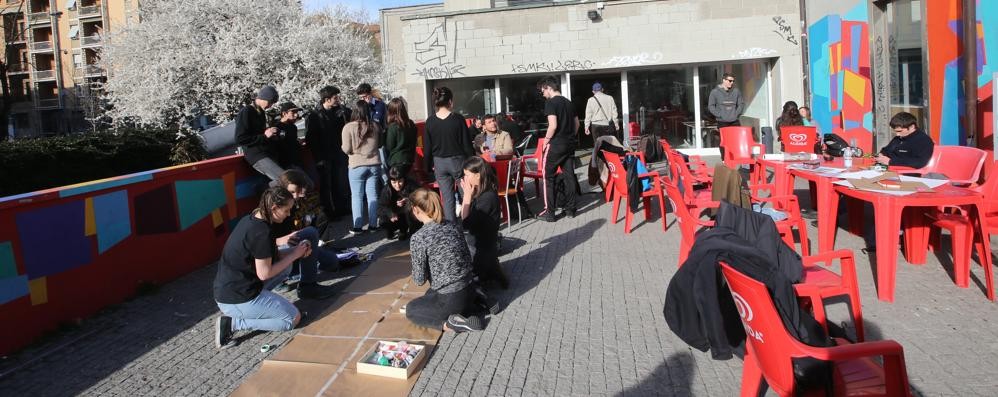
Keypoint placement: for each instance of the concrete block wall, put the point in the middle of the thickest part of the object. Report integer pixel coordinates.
(561, 38)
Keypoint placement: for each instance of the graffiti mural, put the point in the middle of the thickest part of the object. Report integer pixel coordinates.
(840, 71)
(436, 53)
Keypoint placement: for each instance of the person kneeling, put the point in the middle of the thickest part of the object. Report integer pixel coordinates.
(440, 256)
(247, 272)
(391, 206)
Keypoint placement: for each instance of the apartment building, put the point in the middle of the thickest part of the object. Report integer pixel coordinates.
(52, 52)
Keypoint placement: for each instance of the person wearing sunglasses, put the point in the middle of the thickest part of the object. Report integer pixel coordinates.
(725, 102)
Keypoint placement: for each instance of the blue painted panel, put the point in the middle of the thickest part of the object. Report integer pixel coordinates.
(111, 215)
(53, 239)
(8, 267)
(12, 288)
(246, 188)
(197, 199)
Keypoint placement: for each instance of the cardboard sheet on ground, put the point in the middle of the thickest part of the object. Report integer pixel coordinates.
(396, 327)
(283, 378)
(309, 349)
(389, 269)
(378, 284)
(350, 383)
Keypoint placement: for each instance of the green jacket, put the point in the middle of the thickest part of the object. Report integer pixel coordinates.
(401, 144)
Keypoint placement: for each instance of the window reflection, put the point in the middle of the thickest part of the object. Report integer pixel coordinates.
(661, 103)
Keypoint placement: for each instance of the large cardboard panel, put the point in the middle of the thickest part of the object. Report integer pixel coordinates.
(396, 327)
(379, 284)
(282, 378)
(310, 349)
(388, 268)
(350, 383)
(341, 323)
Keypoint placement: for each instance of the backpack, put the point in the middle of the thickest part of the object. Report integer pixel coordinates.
(834, 144)
(651, 148)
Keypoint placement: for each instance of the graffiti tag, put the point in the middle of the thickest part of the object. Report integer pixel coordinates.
(754, 52)
(643, 58)
(440, 72)
(437, 54)
(784, 30)
(554, 66)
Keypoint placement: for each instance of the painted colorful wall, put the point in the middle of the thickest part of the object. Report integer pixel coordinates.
(66, 253)
(839, 54)
(946, 93)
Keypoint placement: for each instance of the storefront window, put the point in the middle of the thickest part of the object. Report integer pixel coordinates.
(472, 97)
(753, 82)
(907, 85)
(661, 103)
(522, 100)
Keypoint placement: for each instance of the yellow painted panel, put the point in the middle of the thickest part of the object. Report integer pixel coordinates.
(39, 291)
(216, 217)
(855, 86)
(90, 225)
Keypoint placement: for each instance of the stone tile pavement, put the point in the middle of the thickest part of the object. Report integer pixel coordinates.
(584, 317)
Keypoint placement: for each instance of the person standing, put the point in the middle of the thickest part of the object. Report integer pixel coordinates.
(256, 137)
(445, 146)
(289, 149)
(324, 136)
(725, 102)
(601, 115)
(400, 142)
(367, 94)
(361, 139)
(559, 150)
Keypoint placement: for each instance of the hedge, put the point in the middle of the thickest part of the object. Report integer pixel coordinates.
(35, 164)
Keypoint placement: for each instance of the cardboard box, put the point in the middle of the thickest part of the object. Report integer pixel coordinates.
(368, 366)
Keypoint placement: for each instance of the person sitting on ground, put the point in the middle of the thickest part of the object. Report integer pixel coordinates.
(492, 141)
(307, 221)
(480, 217)
(251, 266)
(440, 255)
(911, 147)
(256, 137)
(391, 206)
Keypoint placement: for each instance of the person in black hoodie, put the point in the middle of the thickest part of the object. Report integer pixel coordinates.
(480, 217)
(289, 149)
(324, 136)
(911, 147)
(256, 137)
(392, 206)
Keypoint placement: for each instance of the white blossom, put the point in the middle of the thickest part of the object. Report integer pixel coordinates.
(187, 58)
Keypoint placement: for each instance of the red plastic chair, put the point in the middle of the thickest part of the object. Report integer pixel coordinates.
(819, 283)
(618, 176)
(769, 349)
(864, 140)
(536, 158)
(738, 145)
(508, 180)
(798, 138)
(960, 164)
(687, 217)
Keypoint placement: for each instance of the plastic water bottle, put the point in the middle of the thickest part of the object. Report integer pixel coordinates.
(847, 157)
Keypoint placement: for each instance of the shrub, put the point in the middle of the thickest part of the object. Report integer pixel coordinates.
(42, 163)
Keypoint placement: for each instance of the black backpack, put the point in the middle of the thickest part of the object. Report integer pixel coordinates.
(652, 149)
(834, 144)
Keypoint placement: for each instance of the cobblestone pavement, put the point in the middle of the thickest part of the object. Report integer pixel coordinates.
(584, 317)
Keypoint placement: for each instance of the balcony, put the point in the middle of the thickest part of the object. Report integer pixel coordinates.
(89, 11)
(47, 103)
(90, 41)
(42, 75)
(39, 18)
(89, 71)
(18, 68)
(40, 46)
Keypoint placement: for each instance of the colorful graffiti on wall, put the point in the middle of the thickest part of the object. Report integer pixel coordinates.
(67, 252)
(943, 35)
(839, 52)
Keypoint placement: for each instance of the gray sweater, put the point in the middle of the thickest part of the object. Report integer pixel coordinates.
(440, 255)
(725, 105)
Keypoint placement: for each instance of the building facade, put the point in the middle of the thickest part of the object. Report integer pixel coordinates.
(51, 53)
(854, 62)
(658, 59)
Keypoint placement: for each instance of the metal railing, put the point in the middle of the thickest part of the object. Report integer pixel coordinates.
(92, 40)
(90, 11)
(41, 46)
(43, 75)
(89, 70)
(39, 17)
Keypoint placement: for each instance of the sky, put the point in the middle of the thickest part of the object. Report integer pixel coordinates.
(369, 6)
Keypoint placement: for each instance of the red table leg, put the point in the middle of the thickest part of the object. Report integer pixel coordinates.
(916, 232)
(986, 248)
(828, 202)
(888, 221)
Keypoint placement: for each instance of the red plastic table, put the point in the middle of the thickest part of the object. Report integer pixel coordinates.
(888, 209)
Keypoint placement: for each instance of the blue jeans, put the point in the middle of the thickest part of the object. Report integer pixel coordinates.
(305, 268)
(267, 312)
(364, 182)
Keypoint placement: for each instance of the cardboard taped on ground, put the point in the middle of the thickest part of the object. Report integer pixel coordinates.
(283, 378)
(319, 350)
(379, 284)
(396, 327)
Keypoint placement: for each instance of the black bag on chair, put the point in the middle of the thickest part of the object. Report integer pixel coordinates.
(834, 144)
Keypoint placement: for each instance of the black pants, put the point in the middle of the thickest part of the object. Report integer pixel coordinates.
(447, 171)
(404, 225)
(560, 155)
(600, 130)
(334, 188)
(432, 309)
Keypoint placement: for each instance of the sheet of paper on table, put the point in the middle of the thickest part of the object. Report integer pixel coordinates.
(932, 183)
(848, 184)
(864, 174)
(822, 171)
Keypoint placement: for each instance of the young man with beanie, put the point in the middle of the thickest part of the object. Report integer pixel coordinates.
(256, 137)
(725, 102)
(324, 135)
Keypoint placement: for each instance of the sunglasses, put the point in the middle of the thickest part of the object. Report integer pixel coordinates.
(730, 80)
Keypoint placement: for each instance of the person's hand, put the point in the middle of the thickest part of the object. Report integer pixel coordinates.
(293, 239)
(270, 132)
(394, 218)
(882, 159)
(468, 189)
(303, 250)
(400, 203)
(587, 131)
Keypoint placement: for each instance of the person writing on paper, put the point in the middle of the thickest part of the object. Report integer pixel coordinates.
(911, 147)
(440, 256)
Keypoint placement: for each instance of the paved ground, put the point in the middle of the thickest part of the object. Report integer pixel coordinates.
(584, 317)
